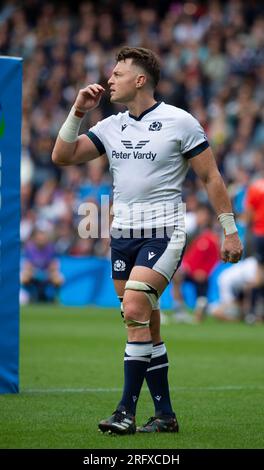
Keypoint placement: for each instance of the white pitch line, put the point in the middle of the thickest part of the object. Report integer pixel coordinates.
(224, 388)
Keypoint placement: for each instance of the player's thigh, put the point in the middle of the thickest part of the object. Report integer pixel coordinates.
(136, 302)
(123, 255)
(149, 276)
(162, 253)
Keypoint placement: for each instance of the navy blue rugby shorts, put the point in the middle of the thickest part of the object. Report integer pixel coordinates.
(158, 249)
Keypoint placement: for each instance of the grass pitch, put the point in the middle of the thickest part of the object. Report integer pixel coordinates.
(71, 374)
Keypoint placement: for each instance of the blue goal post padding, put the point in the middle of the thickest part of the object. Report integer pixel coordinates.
(10, 150)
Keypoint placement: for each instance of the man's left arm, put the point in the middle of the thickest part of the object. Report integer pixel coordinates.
(205, 167)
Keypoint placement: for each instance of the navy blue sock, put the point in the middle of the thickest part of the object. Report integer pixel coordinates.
(136, 361)
(157, 380)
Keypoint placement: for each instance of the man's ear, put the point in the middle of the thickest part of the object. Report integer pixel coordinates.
(141, 80)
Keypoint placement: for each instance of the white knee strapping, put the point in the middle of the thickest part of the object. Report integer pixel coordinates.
(148, 290)
(156, 306)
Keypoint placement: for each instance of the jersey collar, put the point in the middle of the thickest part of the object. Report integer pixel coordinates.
(138, 118)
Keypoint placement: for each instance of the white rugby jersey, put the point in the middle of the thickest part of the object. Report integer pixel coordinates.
(148, 157)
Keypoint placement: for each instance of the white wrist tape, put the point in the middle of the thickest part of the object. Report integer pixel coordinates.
(70, 129)
(227, 221)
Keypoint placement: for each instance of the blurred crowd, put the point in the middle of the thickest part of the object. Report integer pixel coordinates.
(212, 60)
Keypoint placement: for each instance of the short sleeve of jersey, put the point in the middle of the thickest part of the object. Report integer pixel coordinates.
(194, 140)
(96, 135)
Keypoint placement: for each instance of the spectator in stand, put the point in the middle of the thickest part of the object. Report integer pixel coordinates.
(201, 256)
(238, 191)
(40, 275)
(255, 219)
(95, 184)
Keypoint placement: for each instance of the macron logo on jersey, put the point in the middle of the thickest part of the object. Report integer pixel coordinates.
(135, 154)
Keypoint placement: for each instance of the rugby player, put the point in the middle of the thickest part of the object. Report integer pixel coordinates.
(150, 148)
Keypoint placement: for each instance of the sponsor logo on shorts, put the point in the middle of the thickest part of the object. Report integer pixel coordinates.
(119, 265)
(151, 255)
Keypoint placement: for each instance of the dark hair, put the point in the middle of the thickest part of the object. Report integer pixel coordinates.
(144, 58)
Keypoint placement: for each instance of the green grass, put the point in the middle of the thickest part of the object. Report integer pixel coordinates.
(72, 363)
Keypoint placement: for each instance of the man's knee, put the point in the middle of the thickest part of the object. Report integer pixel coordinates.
(139, 300)
(137, 311)
(135, 307)
(149, 291)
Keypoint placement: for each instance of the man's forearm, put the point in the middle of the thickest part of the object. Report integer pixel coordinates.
(220, 201)
(70, 148)
(205, 167)
(218, 195)
(63, 152)
(67, 139)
